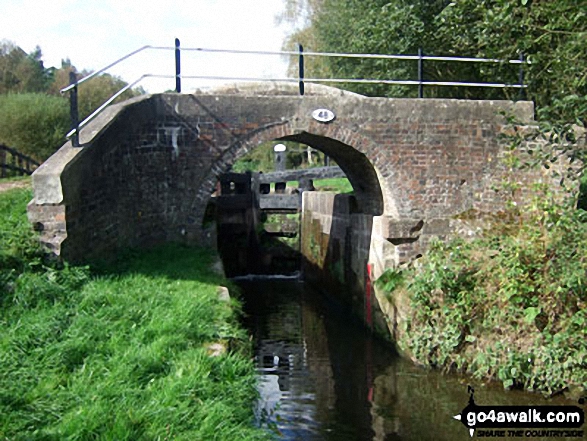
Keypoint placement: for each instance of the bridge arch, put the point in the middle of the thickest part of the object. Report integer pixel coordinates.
(337, 144)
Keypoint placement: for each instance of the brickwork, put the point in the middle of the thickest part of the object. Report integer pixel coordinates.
(149, 166)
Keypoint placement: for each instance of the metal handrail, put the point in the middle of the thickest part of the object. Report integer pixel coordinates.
(104, 69)
(96, 112)
(349, 55)
(356, 81)
(74, 83)
(296, 53)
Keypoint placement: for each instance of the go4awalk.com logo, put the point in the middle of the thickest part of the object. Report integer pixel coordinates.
(522, 421)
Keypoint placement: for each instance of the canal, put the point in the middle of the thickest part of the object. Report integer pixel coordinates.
(322, 377)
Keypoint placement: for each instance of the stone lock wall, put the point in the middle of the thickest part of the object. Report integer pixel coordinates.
(148, 166)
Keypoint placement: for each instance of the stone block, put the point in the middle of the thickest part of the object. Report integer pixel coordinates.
(223, 294)
(391, 228)
(438, 227)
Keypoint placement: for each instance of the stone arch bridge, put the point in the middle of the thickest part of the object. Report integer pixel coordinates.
(148, 166)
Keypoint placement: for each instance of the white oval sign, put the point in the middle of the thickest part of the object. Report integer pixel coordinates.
(323, 115)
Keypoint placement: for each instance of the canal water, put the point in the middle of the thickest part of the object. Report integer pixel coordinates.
(322, 377)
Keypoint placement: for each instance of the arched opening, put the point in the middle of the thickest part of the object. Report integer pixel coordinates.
(356, 166)
(253, 223)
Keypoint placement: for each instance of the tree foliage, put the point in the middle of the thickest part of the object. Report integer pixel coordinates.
(549, 34)
(20, 72)
(33, 113)
(33, 123)
(262, 158)
(93, 93)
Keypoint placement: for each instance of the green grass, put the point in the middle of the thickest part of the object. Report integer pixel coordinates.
(119, 354)
(15, 179)
(337, 185)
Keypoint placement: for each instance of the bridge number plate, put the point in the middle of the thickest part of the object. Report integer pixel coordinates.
(323, 115)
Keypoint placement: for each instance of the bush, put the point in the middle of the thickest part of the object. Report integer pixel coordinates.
(33, 123)
(509, 306)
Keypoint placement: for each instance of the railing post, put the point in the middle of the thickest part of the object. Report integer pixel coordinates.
(420, 73)
(3, 173)
(301, 62)
(177, 67)
(521, 77)
(73, 109)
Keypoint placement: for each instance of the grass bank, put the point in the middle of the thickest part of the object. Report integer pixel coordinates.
(509, 305)
(338, 185)
(119, 354)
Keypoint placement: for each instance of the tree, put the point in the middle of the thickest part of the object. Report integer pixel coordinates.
(34, 117)
(550, 34)
(20, 72)
(92, 93)
(380, 26)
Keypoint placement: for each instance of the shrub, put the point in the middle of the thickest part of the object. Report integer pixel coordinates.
(510, 307)
(33, 123)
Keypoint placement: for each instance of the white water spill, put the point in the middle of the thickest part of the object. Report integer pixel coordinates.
(260, 277)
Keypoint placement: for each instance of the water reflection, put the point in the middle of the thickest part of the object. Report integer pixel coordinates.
(323, 378)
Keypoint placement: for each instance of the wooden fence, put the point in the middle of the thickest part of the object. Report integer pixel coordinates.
(13, 163)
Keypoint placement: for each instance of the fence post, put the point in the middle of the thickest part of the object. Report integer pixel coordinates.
(521, 77)
(73, 109)
(177, 67)
(3, 173)
(301, 62)
(420, 73)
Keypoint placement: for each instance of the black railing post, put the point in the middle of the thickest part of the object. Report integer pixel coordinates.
(73, 109)
(177, 67)
(3, 168)
(420, 73)
(301, 61)
(521, 77)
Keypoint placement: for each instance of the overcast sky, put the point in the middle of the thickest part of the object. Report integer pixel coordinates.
(94, 33)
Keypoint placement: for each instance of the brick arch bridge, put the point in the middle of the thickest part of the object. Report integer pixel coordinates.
(148, 166)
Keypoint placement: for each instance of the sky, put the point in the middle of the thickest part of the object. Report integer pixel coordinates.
(94, 33)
